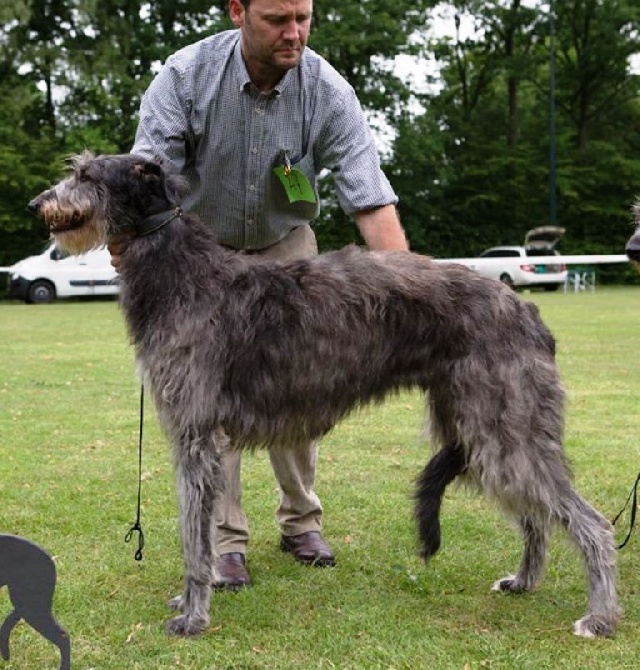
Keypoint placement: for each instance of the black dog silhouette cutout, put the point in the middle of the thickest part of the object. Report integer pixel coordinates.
(30, 575)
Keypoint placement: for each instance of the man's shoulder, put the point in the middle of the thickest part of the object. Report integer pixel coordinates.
(204, 52)
(322, 73)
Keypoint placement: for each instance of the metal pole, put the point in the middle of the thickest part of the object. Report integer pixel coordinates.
(552, 116)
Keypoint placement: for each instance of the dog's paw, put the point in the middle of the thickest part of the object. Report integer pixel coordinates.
(508, 584)
(186, 625)
(177, 604)
(593, 625)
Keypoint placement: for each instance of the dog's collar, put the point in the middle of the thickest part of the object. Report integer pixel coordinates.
(156, 221)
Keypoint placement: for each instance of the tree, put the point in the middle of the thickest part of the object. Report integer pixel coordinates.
(112, 56)
(27, 125)
(598, 98)
(491, 113)
(73, 73)
(596, 40)
(489, 172)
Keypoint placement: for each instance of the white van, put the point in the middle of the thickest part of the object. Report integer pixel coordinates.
(54, 274)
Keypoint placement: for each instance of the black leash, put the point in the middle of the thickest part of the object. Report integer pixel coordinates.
(633, 497)
(137, 526)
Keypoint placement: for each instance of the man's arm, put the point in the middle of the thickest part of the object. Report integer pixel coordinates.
(164, 125)
(381, 229)
(346, 147)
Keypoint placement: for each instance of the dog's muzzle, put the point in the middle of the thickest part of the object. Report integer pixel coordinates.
(44, 207)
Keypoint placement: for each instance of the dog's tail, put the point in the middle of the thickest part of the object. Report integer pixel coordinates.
(439, 472)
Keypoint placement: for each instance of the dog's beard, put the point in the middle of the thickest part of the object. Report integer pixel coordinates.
(79, 240)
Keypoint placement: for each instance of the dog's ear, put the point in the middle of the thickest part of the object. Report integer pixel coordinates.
(147, 169)
(79, 163)
(175, 186)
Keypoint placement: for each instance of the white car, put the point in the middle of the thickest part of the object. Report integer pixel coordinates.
(53, 274)
(517, 267)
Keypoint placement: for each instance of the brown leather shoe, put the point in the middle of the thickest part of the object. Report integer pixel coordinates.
(232, 573)
(308, 548)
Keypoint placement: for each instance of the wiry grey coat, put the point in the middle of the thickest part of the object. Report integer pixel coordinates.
(269, 353)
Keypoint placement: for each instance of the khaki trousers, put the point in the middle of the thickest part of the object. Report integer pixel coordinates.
(300, 510)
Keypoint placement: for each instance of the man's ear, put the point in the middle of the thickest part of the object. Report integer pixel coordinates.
(236, 12)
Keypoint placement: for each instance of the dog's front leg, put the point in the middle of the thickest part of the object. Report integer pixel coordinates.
(199, 479)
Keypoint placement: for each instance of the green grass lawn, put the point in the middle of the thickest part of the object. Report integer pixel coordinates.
(68, 467)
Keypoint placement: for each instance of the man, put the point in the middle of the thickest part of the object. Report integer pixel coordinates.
(250, 117)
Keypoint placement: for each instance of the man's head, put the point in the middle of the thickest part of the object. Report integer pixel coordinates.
(274, 35)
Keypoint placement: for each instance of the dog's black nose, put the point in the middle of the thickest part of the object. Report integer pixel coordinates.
(633, 248)
(33, 207)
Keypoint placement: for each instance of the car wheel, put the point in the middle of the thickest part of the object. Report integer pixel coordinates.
(41, 291)
(506, 279)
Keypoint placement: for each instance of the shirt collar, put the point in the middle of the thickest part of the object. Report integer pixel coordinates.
(242, 75)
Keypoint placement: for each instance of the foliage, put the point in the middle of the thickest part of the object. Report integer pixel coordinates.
(360, 37)
(487, 180)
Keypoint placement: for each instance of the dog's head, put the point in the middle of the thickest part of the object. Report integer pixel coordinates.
(103, 196)
(633, 245)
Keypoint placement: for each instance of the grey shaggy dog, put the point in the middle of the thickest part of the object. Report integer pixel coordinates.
(272, 354)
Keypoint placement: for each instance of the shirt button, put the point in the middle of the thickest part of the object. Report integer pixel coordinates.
(254, 150)
(252, 187)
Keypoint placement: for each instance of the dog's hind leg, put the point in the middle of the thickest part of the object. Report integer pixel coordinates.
(439, 472)
(5, 631)
(44, 622)
(594, 536)
(536, 532)
(199, 480)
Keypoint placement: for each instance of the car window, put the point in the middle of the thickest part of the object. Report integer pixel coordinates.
(500, 253)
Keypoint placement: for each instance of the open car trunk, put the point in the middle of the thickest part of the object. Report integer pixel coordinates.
(543, 237)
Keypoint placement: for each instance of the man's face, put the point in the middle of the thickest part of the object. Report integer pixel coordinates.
(274, 32)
